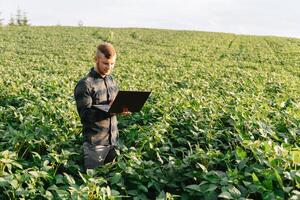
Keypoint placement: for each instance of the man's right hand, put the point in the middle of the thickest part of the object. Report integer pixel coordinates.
(125, 112)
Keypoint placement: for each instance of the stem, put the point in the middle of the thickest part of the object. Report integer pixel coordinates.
(24, 152)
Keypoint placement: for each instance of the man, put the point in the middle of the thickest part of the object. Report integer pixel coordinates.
(100, 129)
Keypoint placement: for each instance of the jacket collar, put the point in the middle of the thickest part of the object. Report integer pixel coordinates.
(95, 74)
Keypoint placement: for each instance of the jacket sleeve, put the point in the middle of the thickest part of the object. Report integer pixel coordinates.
(84, 102)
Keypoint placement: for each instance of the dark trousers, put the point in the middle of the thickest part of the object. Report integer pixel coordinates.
(111, 155)
(96, 155)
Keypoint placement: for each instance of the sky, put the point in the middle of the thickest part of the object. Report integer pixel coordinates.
(253, 17)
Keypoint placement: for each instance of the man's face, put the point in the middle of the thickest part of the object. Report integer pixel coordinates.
(104, 65)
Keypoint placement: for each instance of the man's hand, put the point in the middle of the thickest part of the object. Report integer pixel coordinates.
(125, 112)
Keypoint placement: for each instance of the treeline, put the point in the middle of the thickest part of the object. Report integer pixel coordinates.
(20, 19)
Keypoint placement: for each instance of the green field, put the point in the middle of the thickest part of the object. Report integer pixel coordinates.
(223, 119)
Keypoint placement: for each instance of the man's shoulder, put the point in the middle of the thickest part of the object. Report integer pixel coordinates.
(86, 81)
(82, 86)
(110, 77)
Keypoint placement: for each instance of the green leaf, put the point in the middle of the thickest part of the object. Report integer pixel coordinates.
(4, 182)
(278, 178)
(48, 195)
(225, 195)
(202, 167)
(211, 195)
(161, 196)
(62, 194)
(82, 177)
(34, 173)
(268, 182)
(194, 187)
(115, 193)
(234, 191)
(241, 153)
(91, 172)
(69, 178)
(211, 188)
(14, 183)
(122, 165)
(59, 179)
(269, 195)
(212, 177)
(296, 157)
(142, 188)
(133, 192)
(116, 178)
(255, 179)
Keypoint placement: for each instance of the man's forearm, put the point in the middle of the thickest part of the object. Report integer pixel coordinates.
(93, 115)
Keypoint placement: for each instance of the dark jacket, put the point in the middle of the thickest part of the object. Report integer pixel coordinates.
(99, 127)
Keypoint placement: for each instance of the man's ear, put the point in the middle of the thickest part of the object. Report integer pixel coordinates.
(95, 58)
